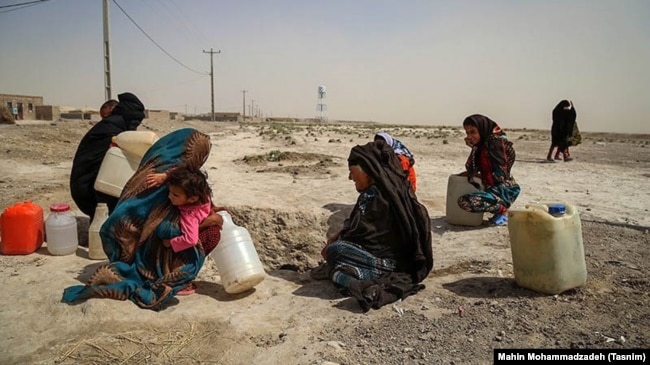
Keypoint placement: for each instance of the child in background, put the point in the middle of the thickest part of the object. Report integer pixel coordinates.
(107, 108)
(406, 157)
(190, 192)
(491, 160)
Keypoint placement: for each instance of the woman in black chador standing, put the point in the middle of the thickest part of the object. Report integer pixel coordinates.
(564, 119)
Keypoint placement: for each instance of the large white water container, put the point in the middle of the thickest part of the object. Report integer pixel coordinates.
(547, 251)
(135, 142)
(61, 230)
(458, 186)
(95, 246)
(116, 169)
(237, 261)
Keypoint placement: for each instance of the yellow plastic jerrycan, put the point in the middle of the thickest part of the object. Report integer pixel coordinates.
(547, 251)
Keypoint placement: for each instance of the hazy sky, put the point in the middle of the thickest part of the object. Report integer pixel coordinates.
(401, 61)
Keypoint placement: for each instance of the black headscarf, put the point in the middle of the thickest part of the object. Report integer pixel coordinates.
(490, 133)
(378, 160)
(127, 116)
(486, 126)
(131, 109)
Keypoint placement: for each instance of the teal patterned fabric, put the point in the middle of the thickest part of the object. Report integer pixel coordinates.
(141, 269)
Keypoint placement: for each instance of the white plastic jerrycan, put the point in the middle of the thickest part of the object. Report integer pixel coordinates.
(547, 251)
(117, 167)
(239, 265)
(135, 142)
(458, 186)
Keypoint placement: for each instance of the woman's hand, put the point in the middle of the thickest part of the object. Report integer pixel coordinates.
(333, 238)
(220, 209)
(211, 220)
(155, 180)
(329, 241)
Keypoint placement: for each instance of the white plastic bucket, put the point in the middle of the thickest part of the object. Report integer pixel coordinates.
(236, 259)
(135, 142)
(458, 186)
(547, 251)
(115, 171)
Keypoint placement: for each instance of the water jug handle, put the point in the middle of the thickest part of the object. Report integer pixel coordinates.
(227, 219)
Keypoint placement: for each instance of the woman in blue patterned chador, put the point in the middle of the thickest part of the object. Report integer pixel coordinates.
(141, 268)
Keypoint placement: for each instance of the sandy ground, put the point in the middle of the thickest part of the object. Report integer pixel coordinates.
(287, 183)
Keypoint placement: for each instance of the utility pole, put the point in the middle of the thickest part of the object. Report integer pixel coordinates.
(252, 108)
(244, 103)
(212, 53)
(107, 53)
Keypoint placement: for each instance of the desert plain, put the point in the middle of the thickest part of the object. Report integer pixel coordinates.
(287, 183)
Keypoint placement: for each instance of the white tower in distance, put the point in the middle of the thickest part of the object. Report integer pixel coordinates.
(321, 106)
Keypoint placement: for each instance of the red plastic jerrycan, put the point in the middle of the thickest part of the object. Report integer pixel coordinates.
(22, 229)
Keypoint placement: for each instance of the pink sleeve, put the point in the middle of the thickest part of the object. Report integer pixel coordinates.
(190, 232)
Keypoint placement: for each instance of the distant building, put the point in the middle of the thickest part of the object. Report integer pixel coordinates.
(78, 114)
(157, 114)
(48, 112)
(218, 117)
(21, 106)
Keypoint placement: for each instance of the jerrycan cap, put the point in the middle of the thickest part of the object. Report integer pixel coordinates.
(557, 209)
(59, 207)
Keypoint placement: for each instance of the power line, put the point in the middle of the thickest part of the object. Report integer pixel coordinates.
(171, 21)
(190, 21)
(154, 42)
(22, 6)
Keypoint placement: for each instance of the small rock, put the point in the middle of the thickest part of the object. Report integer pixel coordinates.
(338, 345)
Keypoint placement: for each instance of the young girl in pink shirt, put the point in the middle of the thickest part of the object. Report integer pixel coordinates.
(190, 192)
